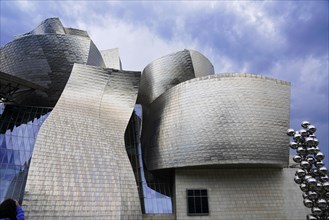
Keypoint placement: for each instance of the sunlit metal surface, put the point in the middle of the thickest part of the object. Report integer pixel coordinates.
(313, 175)
(169, 71)
(80, 167)
(45, 56)
(230, 119)
(111, 58)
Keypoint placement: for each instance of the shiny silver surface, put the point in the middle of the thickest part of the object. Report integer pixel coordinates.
(45, 56)
(80, 168)
(112, 59)
(232, 119)
(314, 182)
(169, 71)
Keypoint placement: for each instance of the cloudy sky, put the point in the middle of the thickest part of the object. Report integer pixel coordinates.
(287, 40)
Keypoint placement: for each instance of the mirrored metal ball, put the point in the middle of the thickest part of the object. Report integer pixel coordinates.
(319, 164)
(298, 180)
(317, 150)
(301, 150)
(311, 182)
(319, 188)
(306, 177)
(305, 165)
(319, 156)
(303, 132)
(311, 217)
(326, 186)
(305, 196)
(323, 171)
(297, 158)
(300, 173)
(324, 178)
(297, 137)
(309, 141)
(311, 150)
(316, 141)
(321, 203)
(314, 172)
(303, 187)
(310, 159)
(290, 132)
(308, 203)
(312, 195)
(305, 124)
(316, 211)
(311, 129)
(293, 145)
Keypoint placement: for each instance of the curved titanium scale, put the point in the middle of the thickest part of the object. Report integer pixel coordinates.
(112, 59)
(45, 56)
(80, 166)
(231, 119)
(168, 71)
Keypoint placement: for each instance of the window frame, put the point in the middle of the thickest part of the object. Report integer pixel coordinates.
(200, 199)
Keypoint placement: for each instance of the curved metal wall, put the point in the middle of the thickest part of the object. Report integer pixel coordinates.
(168, 71)
(47, 60)
(232, 119)
(201, 65)
(80, 167)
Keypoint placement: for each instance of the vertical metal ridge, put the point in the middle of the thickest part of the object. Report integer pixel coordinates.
(80, 167)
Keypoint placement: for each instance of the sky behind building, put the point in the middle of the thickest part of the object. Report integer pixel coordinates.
(287, 40)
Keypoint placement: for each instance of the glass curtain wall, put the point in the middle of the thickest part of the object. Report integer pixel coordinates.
(19, 126)
(155, 196)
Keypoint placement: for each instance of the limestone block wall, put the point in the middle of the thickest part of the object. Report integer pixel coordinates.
(242, 194)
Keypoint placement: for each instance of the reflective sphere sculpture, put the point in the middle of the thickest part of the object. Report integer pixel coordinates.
(305, 124)
(290, 132)
(312, 176)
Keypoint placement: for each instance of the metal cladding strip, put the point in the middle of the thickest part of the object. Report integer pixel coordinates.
(111, 58)
(202, 66)
(164, 73)
(46, 55)
(47, 59)
(48, 26)
(232, 119)
(80, 168)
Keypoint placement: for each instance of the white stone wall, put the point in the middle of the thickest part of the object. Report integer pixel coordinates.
(244, 194)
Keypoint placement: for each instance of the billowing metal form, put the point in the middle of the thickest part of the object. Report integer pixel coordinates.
(80, 168)
(230, 119)
(202, 66)
(168, 71)
(45, 56)
(111, 58)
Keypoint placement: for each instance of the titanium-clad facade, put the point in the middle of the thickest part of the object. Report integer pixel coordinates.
(99, 156)
(230, 119)
(45, 56)
(80, 167)
(169, 71)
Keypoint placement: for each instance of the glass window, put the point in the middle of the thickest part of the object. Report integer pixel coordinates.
(197, 202)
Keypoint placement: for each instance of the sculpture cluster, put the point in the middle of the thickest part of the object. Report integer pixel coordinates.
(312, 176)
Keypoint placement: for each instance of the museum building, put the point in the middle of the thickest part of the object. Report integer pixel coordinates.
(81, 138)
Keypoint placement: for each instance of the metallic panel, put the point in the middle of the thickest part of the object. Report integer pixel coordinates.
(170, 70)
(80, 168)
(111, 58)
(45, 56)
(48, 26)
(232, 119)
(202, 66)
